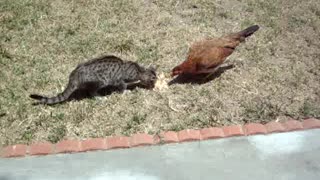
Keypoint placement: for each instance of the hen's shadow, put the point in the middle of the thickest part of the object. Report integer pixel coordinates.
(201, 78)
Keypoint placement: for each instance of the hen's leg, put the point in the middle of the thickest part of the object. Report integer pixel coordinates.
(210, 71)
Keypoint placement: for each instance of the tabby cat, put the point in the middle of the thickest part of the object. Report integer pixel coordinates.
(107, 71)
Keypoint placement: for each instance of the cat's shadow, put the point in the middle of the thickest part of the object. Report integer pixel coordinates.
(81, 94)
(201, 78)
(84, 93)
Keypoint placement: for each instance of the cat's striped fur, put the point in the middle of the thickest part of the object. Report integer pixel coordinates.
(98, 73)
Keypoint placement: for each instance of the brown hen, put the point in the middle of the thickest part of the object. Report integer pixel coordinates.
(207, 55)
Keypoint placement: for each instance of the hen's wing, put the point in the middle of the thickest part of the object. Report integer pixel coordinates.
(209, 54)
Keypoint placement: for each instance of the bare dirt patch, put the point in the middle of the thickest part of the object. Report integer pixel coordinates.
(276, 73)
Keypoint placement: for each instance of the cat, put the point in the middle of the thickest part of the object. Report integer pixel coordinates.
(93, 76)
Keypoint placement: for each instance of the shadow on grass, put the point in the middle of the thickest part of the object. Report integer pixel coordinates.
(200, 78)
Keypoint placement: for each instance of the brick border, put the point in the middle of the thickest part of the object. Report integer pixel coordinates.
(142, 139)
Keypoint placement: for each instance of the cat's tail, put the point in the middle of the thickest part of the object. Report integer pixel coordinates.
(62, 97)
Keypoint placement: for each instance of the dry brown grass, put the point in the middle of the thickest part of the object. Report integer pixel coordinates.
(276, 74)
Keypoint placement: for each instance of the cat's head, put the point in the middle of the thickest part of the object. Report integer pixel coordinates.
(148, 77)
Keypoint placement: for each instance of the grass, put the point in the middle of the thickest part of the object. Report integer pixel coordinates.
(276, 72)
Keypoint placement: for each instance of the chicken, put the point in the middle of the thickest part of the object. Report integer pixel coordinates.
(206, 56)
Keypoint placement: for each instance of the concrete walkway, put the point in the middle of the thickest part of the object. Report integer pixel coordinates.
(293, 155)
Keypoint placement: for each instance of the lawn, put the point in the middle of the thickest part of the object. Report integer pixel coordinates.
(276, 74)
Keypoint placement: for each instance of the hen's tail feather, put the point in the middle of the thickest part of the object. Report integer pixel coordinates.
(248, 31)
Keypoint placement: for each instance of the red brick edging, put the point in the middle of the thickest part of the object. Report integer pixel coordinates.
(74, 146)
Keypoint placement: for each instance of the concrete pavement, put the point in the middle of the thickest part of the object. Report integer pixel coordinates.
(282, 156)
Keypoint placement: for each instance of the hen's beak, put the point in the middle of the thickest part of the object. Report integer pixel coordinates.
(173, 73)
